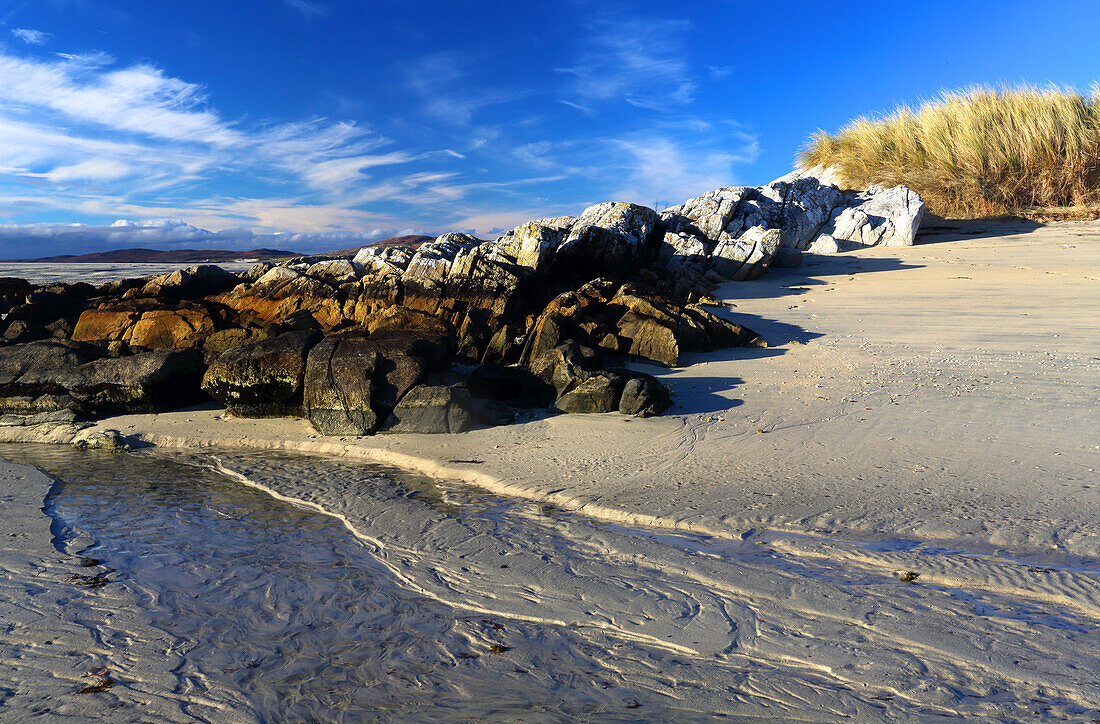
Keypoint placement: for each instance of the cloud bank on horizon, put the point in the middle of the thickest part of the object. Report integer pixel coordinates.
(317, 125)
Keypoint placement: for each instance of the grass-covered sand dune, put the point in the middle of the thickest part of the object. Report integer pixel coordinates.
(977, 152)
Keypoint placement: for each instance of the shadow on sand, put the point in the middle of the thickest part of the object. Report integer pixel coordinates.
(948, 230)
(705, 395)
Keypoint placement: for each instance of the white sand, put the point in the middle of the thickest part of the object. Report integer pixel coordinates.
(940, 394)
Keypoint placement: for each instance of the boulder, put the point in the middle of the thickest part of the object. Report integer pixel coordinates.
(353, 381)
(171, 329)
(748, 255)
(529, 246)
(378, 260)
(339, 386)
(146, 323)
(264, 378)
(597, 392)
(13, 292)
(22, 331)
(876, 217)
(44, 305)
(629, 321)
(608, 238)
(219, 342)
(565, 366)
(111, 440)
(336, 271)
(48, 354)
(643, 395)
(194, 282)
(681, 249)
(433, 409)
(708, 215)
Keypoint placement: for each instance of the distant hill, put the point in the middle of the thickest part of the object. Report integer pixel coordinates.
(159, 256)
(413, 240)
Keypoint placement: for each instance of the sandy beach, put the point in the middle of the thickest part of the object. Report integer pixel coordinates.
(925, 413)
(945, 390)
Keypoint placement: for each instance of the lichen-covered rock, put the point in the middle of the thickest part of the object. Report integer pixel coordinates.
(171, 329)
(146, 323)
(283, 293)
(608, 238)
(336, 271)
(193, 282)
(264, 378)
(44, 355)
(433, 409)
(528, 246)
(597, 392)
(876, 217)
(748, 255)
(339, 386)
(707, 215)
(111, 440)
(623, 319)
(376, 260)
(354, 381)
(565, 366)
(682, 249)
(225, 339)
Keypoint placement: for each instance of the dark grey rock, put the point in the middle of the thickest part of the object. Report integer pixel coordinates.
(434, 409)
(264, 378)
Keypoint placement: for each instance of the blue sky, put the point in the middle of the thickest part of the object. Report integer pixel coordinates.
(222, 124)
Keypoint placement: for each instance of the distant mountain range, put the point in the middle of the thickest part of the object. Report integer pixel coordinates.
(413, 240)
(161, 256)
(195, 256)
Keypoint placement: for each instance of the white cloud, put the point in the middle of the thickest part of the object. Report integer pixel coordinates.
(666, 164)
(637, 61)
(96, 139)
(47, 239)
(31, 37)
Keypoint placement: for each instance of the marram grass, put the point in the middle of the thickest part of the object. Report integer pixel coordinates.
(976, 152)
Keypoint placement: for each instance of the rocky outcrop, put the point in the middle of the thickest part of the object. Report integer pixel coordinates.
(546, 315)
(626, 320)
(193, 282)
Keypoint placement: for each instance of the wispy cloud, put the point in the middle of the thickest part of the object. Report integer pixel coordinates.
(667, 163)
(637, 61)
(449, 92)
(31, 37)
(309, 8)
(94, 137)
